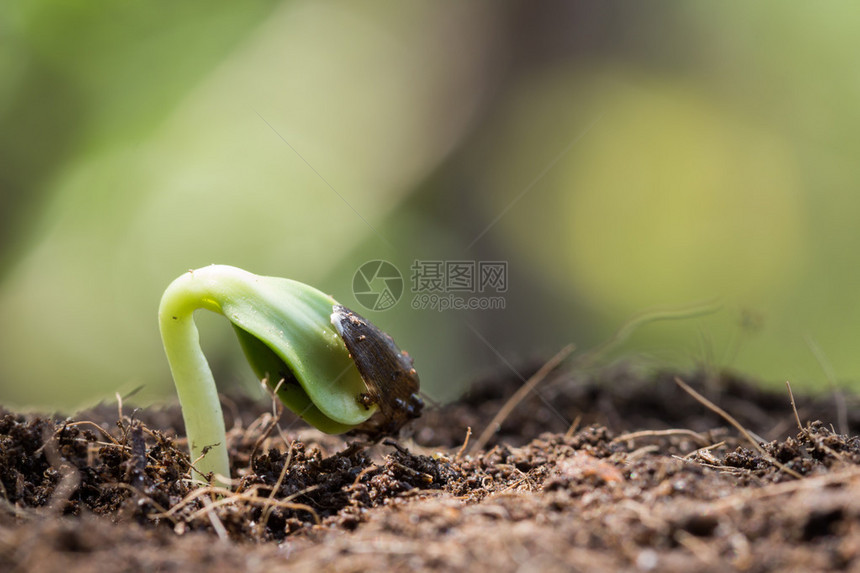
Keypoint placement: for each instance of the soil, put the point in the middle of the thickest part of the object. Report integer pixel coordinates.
(604, 470)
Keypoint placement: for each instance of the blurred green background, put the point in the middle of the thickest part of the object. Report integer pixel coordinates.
(618, 155)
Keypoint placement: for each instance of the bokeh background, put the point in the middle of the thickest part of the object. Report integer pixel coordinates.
(620, 156)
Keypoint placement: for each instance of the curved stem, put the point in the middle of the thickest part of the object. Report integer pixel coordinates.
(195, 385)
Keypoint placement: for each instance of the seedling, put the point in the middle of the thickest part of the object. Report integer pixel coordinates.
(327, 364)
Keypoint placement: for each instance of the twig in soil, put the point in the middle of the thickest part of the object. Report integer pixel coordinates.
(708, 460)
(267, 508)
(727, 417)
(739, 499)
(465, 443)
(815, 443)
(274, 395)
(525, 478)
(703, 451)
(120, 420)
(87, 422)
(189, 497)
(794, 409)
(361, 475)
(276, 417)
(192, 465)
(658, 433)
(219, 528)
(573, 427)
(228, 499)
(413, 473)
(119, 409)
(530, 384)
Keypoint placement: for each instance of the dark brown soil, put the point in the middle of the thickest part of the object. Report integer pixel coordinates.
(565, 484)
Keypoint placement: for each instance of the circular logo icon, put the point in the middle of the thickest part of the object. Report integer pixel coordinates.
(377, 285)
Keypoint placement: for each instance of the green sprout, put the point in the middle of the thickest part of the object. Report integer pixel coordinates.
(327, 364)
